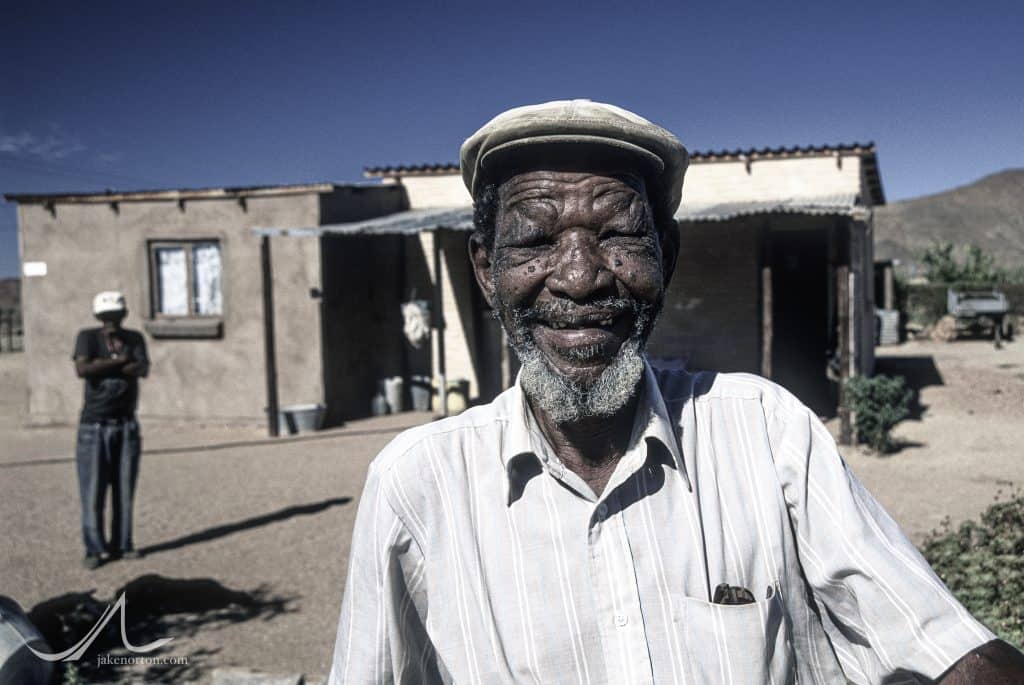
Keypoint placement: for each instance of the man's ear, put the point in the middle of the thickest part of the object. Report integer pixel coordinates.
(480, 258)
(669, 250)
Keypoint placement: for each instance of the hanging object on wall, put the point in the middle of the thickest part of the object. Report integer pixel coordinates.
(416, 326)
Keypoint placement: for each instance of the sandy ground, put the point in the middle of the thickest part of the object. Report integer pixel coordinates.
(965, 440)
(247, 538)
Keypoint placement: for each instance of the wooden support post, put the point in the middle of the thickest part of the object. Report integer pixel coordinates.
(767, 301)
(844, 342)
(888, 288)
(442, 376)
(766, 321)
(269, 354)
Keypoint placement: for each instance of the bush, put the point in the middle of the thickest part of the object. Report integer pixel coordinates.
(878, 403)
(982, 563)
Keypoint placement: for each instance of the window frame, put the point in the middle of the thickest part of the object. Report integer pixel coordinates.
(187, 244)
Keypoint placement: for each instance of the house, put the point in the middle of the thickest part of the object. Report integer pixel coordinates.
(774, 277)
(774, 274)
(190, 269)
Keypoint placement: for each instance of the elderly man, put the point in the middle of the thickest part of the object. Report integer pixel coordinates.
(607, 522)
(111, 360)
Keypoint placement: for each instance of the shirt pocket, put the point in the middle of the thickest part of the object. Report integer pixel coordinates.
(737, 643)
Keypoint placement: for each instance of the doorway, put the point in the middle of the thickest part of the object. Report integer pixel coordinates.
(801, 322)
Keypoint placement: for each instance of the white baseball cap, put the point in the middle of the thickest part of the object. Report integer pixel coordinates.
(108, 301)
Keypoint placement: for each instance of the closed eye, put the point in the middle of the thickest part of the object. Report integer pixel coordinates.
(615, 235)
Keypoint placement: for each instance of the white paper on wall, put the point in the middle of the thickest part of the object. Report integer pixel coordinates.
(206, 286)
(173, 274)
(31, 269)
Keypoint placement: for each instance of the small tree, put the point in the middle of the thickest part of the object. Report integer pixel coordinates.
(940, 264)
(878, 403)
(978, 267)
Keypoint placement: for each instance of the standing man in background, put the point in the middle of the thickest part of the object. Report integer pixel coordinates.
(110, 359)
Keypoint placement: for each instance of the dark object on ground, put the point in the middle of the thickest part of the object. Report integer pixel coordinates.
(879, 403)
(155, 607)
(18, 665)
(982, 563)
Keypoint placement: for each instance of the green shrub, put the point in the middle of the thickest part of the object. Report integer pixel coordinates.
(878, 403)
(982, 563)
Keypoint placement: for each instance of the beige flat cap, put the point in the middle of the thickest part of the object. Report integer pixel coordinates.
(578, 131)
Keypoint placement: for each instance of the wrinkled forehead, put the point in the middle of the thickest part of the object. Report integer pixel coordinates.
(561, 185)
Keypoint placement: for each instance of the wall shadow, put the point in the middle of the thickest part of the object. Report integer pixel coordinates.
(246, 524)
(155, 607)
(918, 372)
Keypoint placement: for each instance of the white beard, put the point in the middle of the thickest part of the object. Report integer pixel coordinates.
(564, 400)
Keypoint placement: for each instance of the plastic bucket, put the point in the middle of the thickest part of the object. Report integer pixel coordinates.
(300, 418)
(393, 388)
(420, 390)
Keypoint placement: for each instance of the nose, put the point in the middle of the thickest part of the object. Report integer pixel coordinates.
(580, 271)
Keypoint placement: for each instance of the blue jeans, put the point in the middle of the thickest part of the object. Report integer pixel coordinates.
(107, 454)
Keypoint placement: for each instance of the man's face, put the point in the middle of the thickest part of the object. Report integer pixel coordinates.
(115, 318)
(576, 276)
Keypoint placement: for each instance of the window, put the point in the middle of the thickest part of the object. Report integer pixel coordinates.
(186, 279)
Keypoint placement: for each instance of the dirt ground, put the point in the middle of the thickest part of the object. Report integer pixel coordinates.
(964, 441)
(246, 538)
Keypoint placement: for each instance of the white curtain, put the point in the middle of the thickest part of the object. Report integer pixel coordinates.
(206, 286)
(173, 275)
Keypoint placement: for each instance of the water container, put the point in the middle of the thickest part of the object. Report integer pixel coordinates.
(393, 389)
(421, 389)
(300, 418)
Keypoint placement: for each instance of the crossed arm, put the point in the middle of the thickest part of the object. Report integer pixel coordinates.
(126, 364)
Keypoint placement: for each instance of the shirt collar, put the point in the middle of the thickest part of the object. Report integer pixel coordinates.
(524, 447)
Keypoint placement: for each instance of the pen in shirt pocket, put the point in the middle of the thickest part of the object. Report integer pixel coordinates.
(733, 595)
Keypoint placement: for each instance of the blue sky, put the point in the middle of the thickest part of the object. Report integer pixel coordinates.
(188, 94)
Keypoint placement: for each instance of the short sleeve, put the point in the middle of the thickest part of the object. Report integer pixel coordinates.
(83, 346)
(885, 611)
(139, 354)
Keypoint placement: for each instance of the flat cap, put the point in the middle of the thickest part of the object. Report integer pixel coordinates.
(577, 131)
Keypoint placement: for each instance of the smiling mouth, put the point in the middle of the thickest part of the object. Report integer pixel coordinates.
(605, 323)
(599, 334)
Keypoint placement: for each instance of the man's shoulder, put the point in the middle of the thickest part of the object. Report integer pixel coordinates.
(716, 386)
(132, 335)
(446, 439)
(86, 337)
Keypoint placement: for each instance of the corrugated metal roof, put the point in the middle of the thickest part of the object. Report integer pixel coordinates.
(415, 221)
(410, 222)
(845, 204)
(779, 152)
(173, 195)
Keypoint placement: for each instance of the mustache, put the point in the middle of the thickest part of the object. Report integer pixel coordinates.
(567, 310)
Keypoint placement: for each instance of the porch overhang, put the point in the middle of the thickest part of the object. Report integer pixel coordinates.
(415, 221)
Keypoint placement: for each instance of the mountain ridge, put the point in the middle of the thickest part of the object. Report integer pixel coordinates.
(988, 212)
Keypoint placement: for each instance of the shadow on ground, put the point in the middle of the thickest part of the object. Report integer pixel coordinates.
(246, 524)
(918, 372)
(212, 447)
(155, 607)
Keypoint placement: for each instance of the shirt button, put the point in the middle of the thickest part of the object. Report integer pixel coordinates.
(621, 620)
(602, 510)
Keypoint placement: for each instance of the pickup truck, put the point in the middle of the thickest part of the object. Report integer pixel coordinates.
(980, 311)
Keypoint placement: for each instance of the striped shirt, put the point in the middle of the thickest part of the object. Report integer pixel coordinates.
(477, 557)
